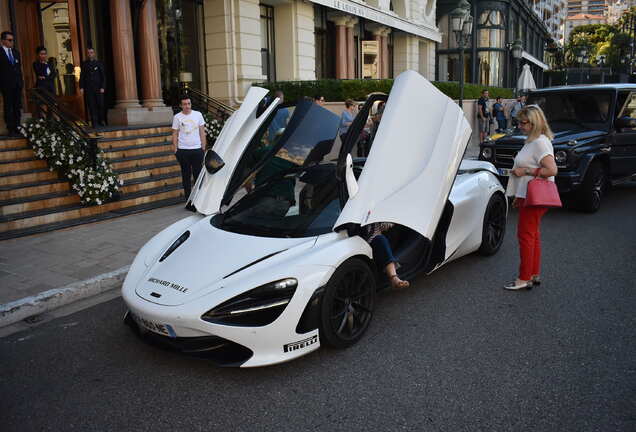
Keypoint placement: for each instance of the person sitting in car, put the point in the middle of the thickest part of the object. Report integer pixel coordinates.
(383, 253)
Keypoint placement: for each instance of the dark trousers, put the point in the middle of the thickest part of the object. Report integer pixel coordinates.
(502, 124)
(191, 162)
(382, 252)
(95, 102)
(12, 105)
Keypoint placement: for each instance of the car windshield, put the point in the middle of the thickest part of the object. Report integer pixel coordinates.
(570, 110)
(285, 183)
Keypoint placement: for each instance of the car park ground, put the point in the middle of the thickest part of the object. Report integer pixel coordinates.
(454, 352)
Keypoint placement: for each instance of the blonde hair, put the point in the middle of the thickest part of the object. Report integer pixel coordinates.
(534, 114)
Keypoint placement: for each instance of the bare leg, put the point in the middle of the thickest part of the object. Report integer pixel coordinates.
(396, 282)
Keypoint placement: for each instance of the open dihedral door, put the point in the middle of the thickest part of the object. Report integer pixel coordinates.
(234, 138)
(413, 161)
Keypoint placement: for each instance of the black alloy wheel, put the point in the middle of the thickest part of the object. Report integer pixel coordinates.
(593, 188)
(494, 228)
(348, 304)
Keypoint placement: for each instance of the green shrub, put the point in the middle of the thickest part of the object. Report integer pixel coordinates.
(357, 89)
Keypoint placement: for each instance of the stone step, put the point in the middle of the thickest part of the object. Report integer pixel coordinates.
(151, 182)
(141, 161)
(7, 155)
(145, 149)
(95, 218)
(37, 202)
(149, 170)
(22, 190)
(27, 176)
(112, 143)
(13, 166)
(134, 131)
(30, 219)
(13, 143)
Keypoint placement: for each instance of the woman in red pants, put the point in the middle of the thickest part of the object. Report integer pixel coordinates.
(535, 159)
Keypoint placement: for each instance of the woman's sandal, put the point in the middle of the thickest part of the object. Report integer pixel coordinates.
(399, 284)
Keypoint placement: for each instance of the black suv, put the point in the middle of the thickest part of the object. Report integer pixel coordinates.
(594, 143)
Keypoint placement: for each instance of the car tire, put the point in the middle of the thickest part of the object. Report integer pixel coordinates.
(347, 305)
(593, 187)
(494, 226)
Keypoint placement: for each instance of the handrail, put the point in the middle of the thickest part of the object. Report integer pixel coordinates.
(203, 102)
(72, 125)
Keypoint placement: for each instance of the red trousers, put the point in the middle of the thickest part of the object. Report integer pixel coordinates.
(529, 235)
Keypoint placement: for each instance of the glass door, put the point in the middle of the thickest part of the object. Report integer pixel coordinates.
(60, 37)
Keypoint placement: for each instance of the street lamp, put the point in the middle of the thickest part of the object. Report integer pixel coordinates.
(462, 26)
(517, 53)
(581, 57)
(600, 60)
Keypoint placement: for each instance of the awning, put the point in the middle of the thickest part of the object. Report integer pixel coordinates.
(381, 17)
(533, 59)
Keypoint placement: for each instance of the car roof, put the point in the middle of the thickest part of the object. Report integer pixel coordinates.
(617, 86)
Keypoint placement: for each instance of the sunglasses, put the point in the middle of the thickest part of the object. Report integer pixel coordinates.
(524, 122)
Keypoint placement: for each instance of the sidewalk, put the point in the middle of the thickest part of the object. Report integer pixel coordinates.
(61, 264)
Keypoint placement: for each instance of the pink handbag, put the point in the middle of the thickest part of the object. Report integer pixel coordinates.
(542, 193)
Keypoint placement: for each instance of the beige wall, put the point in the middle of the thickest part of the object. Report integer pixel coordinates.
(218, 44)
(295, 43)
(233, 47)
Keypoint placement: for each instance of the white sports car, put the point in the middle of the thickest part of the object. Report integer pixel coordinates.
(272, 265)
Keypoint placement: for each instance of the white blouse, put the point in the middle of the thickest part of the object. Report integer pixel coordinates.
(529, 156)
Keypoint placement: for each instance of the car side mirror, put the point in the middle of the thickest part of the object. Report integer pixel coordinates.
(350, 178)
(625, 123)
(213, 162)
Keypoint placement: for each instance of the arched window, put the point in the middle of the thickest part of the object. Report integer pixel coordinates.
(491, 29)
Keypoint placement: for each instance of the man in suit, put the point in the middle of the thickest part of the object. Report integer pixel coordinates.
(92, 84)
(11, 82)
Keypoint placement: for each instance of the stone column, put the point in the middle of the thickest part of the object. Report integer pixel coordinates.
(150, 65)
(351, 47)
(341, 47)
(123, 54)
(127, 109)
(149, 59)
(385, 53)
(377, 35)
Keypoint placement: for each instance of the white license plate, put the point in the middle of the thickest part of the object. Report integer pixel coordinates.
(155, 327)
(504, 172)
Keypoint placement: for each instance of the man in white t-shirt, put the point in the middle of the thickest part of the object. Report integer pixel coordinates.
(188, 143)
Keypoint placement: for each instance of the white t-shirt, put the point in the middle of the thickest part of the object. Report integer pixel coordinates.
(188, 127)
(529, 156)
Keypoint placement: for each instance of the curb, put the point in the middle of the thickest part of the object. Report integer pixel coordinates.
(11, 313)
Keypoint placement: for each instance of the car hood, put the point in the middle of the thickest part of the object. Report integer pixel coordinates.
(200, 264)
(413, 161)
(560, 137)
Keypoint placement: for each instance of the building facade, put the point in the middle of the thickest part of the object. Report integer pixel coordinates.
(591, 7)
(218, 46)
(577, 20)
(488, 56)
(616, 8)
(249, 41)
(553, 13)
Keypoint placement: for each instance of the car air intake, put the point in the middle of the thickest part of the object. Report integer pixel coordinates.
(178, 242)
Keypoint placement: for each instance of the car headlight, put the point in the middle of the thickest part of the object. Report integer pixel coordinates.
(561, 157)
(258, 307)
(486, 152)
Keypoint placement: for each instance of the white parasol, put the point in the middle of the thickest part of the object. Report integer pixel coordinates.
(525, 81)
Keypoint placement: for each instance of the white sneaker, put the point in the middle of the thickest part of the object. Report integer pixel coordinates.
(514, 286)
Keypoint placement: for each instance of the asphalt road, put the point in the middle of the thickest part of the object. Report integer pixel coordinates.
(453, 353)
